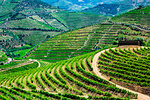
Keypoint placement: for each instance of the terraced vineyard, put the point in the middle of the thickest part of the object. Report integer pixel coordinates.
(127, 67)
(18, 65)
(68, 79)
(139, 17)
(76, 64)
(83, 41)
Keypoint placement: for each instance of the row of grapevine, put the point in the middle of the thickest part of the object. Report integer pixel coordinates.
(127, 65)
(69, 79)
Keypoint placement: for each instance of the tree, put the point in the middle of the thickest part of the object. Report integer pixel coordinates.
(140, 7)
(141, 40)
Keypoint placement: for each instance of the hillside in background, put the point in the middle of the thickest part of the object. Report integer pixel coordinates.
(116, 8)
(30, 22)
(109, 9)
(105, 7)
(85, 40)
(77, 5)
(95, 37)
(135, 2)
(139, 17)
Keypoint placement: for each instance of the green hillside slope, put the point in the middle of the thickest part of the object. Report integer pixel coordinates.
(69, 79)
(84, 40)
(127, 67)
(137, 17)
(74, 20)
(33, 21)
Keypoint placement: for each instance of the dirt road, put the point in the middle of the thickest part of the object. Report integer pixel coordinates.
(96, 71)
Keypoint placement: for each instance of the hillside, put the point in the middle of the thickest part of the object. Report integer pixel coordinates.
(31, 22)
(71, 78)
(24, 18)
(135, 2)
(47, 53)
(84, 40)
(77, 5)
(116, 7)
(127, 67)
(108, 9)
(34, 17)
(76, 78)
(138, 17)
(75, 20)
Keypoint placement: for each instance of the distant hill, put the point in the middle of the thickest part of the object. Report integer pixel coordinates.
(77, 5)
(30, 19)
(135, 2)
(95, 37)
(108, 9)
(117, 7)
(139, 17)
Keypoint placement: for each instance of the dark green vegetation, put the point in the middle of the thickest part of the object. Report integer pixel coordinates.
(72, 79)
(130, 66)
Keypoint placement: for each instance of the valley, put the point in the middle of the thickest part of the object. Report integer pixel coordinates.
(50, 53)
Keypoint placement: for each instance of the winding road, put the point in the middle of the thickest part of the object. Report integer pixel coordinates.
(96, 71)
(39, 65)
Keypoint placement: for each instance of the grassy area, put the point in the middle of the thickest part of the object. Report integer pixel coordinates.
(49, 27)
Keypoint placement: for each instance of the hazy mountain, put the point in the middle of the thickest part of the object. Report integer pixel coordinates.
(77, 5)
(108, 9)
(116, 7)
(135, 2)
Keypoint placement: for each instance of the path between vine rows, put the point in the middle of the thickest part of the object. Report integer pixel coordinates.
(96, 71)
